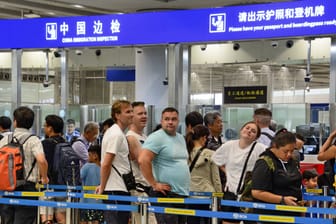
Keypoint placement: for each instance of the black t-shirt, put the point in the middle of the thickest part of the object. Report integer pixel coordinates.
(285, 180)
(49, 150)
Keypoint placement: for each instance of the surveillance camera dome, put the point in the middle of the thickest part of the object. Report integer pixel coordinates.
(203, 47)
(289, 43)
(98, 52)
(79, 52)
(236, 46)
(308, 78)
(165, 82)
(46, 83)
(57, 54)
(274, 44)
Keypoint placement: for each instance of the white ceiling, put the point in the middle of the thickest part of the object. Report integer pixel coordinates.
(57, 8)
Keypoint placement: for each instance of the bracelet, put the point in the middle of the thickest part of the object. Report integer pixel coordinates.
(282, 201)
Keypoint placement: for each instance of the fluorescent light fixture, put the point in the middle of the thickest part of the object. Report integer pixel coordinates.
(31, 14)
(78, 6)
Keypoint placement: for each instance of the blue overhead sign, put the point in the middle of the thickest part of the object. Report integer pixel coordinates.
(248, 22)
(120, 75)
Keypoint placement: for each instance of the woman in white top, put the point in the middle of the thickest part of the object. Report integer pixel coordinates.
(231, 157)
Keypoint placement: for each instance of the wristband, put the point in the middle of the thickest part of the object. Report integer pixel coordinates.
(282, 202)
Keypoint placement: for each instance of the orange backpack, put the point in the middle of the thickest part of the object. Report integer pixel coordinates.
(12, 170)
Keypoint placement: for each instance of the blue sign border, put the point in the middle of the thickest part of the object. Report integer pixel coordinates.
(249, 22)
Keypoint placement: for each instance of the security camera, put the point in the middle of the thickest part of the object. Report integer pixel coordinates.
(98, 52)
(79, 52)
(289, 43)
(274, 44)
(57, 54)
(203, 47)
(308, 78)
(46, 83)
(165, 81)
(236, 46)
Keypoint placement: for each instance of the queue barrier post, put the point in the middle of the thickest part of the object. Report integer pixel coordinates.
(325, 203)
(215, 201)
(144, 213)
(68, 211)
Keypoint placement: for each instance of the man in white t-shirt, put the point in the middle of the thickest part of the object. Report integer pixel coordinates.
(115, 153)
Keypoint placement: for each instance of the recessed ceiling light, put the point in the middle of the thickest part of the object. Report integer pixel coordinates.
(78, 6)
(31, 14)
(51, 13)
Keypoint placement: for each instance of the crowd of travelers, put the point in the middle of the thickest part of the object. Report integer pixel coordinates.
(120, 159)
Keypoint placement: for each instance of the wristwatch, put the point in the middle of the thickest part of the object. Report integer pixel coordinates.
(282, 202)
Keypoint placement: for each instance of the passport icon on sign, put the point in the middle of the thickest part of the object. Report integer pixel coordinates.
(51, 31)
(217, 23)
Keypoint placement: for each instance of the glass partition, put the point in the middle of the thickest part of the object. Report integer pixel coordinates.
(6, 109)
(285, 115)
(234, 118)
(290, 115)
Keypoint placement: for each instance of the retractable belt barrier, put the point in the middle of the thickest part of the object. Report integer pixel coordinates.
(207, 199)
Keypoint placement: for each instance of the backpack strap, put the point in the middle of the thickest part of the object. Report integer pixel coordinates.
(269, 162)
(267, 135)
(129, 164)
(13, 139)
(78, 140)
(129, 161)
(116, 170)
(244, 168)
(191, 167)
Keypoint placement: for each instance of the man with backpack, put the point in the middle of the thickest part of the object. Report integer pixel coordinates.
(35, 165)
(53, 128)
(263, 117)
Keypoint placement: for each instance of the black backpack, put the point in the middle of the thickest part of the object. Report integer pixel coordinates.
(66, 165)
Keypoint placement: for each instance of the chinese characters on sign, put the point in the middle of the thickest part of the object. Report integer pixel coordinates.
(280, 18)
(281, 14)
(245, 94)
(82, 34)
(234, 23)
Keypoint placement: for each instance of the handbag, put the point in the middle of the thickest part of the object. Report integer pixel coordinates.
(128, 178)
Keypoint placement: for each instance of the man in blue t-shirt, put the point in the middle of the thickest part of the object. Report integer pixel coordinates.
(164, 163)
